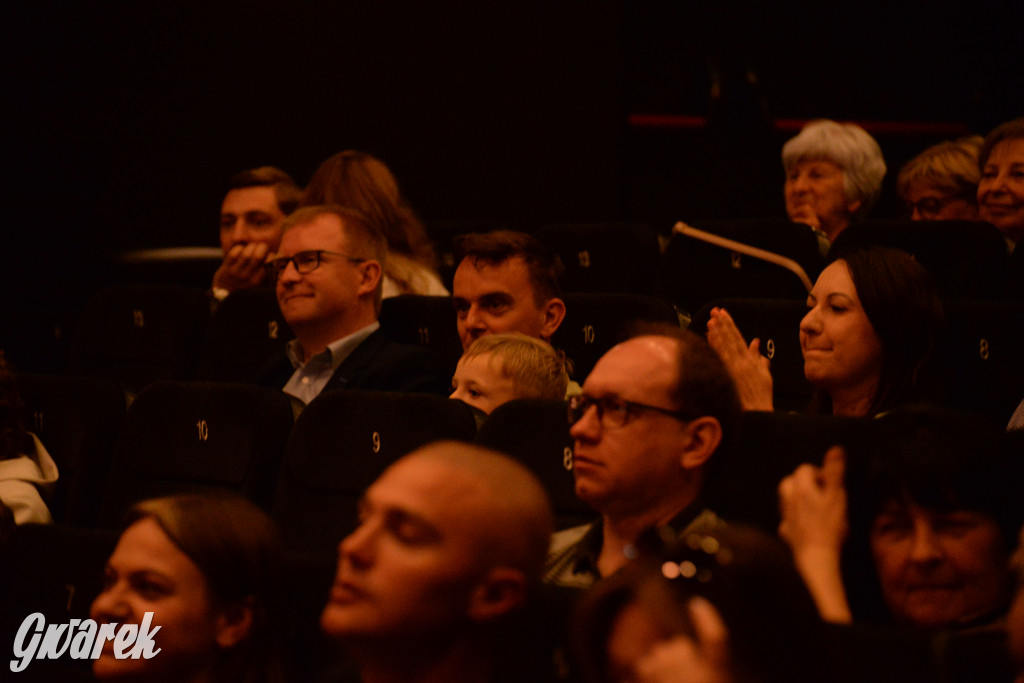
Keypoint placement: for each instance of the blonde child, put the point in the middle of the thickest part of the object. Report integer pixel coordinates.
(500, 367)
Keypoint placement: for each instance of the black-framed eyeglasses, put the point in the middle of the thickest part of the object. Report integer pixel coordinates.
(613, 411)
(305, 261)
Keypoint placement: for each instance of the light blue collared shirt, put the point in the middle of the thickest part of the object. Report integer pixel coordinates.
(310, 377)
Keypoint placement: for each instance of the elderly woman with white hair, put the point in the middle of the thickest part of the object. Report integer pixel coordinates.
(834, 175)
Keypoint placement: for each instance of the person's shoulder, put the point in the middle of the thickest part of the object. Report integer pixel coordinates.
(380, 364)
(568, 538)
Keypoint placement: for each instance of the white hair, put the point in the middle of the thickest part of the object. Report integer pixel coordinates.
(848, 146)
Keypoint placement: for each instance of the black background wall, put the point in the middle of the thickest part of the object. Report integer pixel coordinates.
(125, 118)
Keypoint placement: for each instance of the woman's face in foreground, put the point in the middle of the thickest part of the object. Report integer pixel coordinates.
(149, 573)
(938, 568)
(840, 348)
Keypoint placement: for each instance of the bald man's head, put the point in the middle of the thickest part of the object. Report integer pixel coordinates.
(510, 513)
(450, 536)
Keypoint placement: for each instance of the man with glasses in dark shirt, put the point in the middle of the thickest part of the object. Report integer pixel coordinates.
(327, 275)
(653, 412)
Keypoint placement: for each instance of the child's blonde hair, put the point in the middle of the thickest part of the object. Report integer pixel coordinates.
(536, 369)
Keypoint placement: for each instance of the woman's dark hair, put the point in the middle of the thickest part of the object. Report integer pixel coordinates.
(907, 316)
(939, 459)
(745, 574)
(14, 437)
(237, 548)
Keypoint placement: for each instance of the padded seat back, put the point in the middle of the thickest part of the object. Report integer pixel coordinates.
(443, 233)
(984, 356)
(605, 257)
(596, 322)
(536, 433)
(78, 420)
(695, 272)
(341, 443)
(56, 570)
(246, 331)
(195, 436)
(777, 324)
(966, 259)
(768, 448)
(140, 334)
(426, 321)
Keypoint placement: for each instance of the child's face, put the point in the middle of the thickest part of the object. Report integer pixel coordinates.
(478, 381)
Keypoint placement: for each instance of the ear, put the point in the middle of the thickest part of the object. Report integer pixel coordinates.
(854, 206)
(371, 274)
(553, 313)
(234, 623)
(704, 434)
(501, 591)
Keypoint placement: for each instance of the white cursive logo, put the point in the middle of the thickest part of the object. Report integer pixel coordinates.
(87, 643)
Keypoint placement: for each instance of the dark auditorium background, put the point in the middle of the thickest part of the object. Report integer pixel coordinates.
(124, 119)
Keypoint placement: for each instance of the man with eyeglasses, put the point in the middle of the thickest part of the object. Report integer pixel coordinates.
(654, 411)
(327, 275)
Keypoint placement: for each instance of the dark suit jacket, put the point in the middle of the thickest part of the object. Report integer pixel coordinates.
(377, 364)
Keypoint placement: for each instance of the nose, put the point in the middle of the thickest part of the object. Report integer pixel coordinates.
(810, 324)
(916, 215)
(357, 547)
(926, 547)
(289, 274)
(798, 183)
(474, 320)
(110, 606)
(588, 427)
(240, 234)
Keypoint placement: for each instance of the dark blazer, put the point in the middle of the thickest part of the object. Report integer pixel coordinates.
(377, 364)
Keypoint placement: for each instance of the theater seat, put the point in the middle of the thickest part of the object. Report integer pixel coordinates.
(56, 570)
(140, 334)
(596, 322)
(605, 257)
(195, 436)
(966, 259)
(1015, 276)
(246, 331)
(694, 272)
(340, 444)
(777, 324)
(77, 419)
(425, 321)
(443, 233)
(536, 433)
(768, 448)
(984, 353)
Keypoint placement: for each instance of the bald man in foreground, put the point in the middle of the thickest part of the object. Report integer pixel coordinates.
(450, 544)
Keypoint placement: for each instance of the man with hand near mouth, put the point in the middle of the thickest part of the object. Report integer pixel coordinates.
(251, 216)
